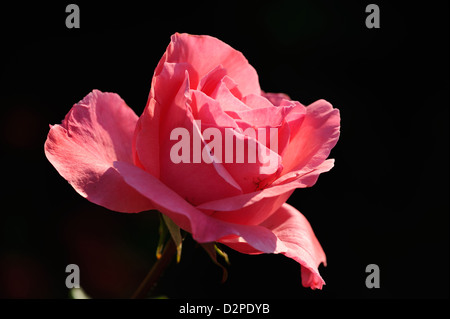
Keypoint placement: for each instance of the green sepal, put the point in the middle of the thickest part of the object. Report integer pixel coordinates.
(175, 232)
(222, 254)
(163, 232)
(213, 250)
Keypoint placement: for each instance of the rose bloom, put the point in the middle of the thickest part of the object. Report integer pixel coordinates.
(122, 162)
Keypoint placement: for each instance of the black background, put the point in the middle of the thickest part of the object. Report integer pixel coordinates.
(385, 201)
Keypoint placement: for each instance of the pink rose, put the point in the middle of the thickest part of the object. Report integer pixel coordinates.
(122, 162)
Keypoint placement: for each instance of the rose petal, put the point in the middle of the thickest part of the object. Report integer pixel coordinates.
(96, 132)
(296, 179)
(202, 227)
(209, 111)
(252, 214)
(210, 81)
(252, 175)
(255, 101)
(204, 53)
(312, 140)
(295, 117)
(269, 118)
(265, 116)
(196, 182)
(229, 99)
(294, 230)
(276, 98)
(170, 88)
(248, 171)
(146, 139)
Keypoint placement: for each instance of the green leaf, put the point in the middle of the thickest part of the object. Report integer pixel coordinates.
(175, 232)
(213, 250)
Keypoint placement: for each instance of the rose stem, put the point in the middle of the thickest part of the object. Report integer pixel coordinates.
(156, 271)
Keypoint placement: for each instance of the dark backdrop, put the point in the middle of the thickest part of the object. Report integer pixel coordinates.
(385, 202)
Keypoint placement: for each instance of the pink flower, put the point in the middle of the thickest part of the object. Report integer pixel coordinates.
(122, 162)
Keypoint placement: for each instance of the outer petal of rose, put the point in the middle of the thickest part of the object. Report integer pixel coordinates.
(195, 182)
(253, 208)
(96, 132)
(294, 230)
(252, 214)
(146, 139)
(275, 98)
(203, 228)
(168, 90)
(204, 53)
(296, 179)
(312, 142)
